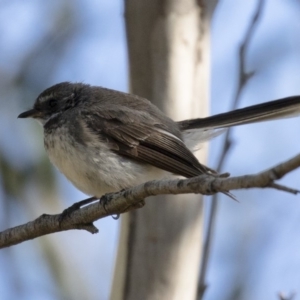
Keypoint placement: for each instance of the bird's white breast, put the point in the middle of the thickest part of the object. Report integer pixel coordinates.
(93, 168)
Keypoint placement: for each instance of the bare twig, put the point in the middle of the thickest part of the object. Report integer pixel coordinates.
(243, 78)
(133, 198)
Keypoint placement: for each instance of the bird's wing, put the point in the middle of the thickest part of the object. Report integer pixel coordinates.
(146, 141)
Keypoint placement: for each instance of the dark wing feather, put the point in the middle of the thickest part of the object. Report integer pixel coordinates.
(145, 142)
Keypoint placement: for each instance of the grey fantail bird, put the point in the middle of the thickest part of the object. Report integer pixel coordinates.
(104, 140)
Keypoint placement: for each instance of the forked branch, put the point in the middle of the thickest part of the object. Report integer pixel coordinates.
(133, 198)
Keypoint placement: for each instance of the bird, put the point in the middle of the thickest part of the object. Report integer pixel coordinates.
(105, 140)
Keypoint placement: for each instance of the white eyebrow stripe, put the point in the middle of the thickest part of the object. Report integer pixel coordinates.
(45, 98)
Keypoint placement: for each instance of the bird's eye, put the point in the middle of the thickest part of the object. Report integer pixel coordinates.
(52, 103)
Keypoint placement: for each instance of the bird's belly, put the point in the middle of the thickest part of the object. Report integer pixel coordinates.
(96, 171)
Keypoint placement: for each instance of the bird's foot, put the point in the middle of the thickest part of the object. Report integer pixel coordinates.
(68, 211)
(104, 200)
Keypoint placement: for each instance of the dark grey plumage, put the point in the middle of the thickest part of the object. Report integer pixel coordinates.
(104, 140)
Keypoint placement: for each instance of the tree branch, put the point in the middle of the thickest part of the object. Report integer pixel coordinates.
(133, 198)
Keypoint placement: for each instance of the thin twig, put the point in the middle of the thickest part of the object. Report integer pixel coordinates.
(243, 78)
(133, 198)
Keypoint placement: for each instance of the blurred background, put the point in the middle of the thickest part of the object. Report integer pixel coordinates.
(256, 247)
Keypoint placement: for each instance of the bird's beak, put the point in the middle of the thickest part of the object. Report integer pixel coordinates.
(32, 113)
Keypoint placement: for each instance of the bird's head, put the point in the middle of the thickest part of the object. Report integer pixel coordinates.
(54, 100)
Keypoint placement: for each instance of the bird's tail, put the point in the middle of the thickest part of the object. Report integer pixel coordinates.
(282, 108)
(199, 130)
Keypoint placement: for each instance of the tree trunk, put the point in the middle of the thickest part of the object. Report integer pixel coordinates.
(160, 245)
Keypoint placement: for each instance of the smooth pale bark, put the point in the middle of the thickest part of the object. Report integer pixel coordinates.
(160, 244)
